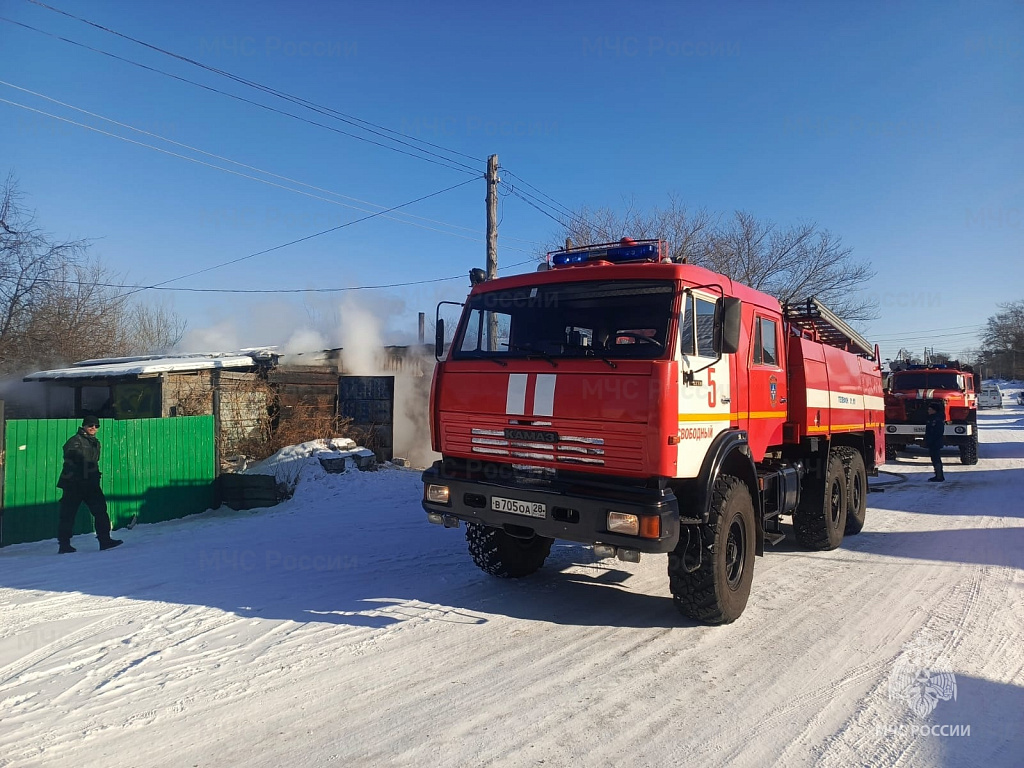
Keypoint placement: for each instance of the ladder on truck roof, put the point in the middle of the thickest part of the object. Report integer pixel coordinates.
(825, 326)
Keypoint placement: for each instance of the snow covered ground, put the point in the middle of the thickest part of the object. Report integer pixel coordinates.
(341, 628)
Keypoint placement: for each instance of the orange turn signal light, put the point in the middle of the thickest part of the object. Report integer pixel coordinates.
(650, 527)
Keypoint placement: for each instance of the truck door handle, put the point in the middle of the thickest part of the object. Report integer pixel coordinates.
(782, 400)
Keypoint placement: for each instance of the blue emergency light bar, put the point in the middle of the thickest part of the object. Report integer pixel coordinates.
(623, 251)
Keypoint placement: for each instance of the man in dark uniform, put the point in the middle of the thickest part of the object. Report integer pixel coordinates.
(80, 481)
(934, 429)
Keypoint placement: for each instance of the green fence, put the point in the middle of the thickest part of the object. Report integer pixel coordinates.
(153, 470)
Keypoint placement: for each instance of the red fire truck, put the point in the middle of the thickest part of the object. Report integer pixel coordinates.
(639, 405)
(912, 388)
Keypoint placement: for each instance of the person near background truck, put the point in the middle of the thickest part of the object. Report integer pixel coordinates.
(934, 428)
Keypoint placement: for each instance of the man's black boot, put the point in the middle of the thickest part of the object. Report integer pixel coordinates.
(65, 548)
(110, 543)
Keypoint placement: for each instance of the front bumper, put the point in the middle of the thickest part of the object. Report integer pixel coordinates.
(575, 511)
(905, 434)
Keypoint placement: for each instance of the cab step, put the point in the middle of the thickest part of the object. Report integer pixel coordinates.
(773, 538)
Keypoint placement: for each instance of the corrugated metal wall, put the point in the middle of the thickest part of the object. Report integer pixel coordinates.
(153, 470)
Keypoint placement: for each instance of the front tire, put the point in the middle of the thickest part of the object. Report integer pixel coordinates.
(820, 519)
(969, 452)
(507, 557)
(717, 591)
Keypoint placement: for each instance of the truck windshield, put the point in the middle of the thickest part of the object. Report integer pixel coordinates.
(628, 319)
(923, 380)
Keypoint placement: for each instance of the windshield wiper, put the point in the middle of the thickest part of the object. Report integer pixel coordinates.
(479, 355)
(592, 352)
(528, 348)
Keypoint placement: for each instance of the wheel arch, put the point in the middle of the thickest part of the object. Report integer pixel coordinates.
(729, 454)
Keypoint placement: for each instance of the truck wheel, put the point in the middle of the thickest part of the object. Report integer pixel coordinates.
(969, 451)
(500, 554)
(890, 452)
(717, 591)
(820, 519)
(856, 492)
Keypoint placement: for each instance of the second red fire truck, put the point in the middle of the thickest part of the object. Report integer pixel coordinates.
(639, 405)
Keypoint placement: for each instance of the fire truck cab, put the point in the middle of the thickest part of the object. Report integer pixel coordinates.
(912, 388)
(640, 405)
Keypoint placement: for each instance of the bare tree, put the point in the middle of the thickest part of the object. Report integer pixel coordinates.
(687, 233)
(788, 263)
(153, 328)
(1004, 341)
(1005, 329)
(28, 261)
(58, 304)
(792, 263)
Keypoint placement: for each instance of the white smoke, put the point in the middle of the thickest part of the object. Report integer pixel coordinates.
(304, 341)
(361, 325)
(360, 335)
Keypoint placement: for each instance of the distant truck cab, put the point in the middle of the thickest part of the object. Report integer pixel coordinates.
(990, 396)
(640, 405)
(912, 388)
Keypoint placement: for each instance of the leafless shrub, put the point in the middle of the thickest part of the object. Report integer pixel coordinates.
(304, 421)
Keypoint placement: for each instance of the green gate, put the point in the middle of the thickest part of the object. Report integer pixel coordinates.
(153, 470)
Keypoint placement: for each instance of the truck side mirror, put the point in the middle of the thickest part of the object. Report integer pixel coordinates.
(439, 338)
(730, 315)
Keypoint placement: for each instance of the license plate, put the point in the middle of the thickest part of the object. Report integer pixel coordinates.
(516, 507)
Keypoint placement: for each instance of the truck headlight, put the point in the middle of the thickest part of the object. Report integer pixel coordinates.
(437, 494)
(620, 522)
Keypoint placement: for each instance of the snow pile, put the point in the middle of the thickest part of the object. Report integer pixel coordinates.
(310, 461)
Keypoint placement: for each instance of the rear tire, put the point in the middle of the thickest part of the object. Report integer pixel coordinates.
(505, 556)
(969, 451)
(820, 519)
(890, 452)
(856, 492)
(717, 592)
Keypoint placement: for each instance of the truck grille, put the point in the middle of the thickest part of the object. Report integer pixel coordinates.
(579, 445)
(570, 449)
(917, 411)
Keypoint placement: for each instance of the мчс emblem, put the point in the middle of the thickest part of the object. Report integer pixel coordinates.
(921, 679)
(773, 389)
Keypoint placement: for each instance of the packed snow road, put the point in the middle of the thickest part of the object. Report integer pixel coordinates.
(341, 627)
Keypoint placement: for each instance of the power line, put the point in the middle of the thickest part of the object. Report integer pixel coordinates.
(299, 240)
(350, 119)
(461, 167)
(242, 165)
(513, 191)
(136, 288)
(229, 170)
(557, 205)
(925, 337)
(540, 205)
(950, 328)
(228, 160)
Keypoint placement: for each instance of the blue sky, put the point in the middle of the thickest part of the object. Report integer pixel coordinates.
(898, 126)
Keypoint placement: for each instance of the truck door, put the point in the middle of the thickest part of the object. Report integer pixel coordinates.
(767, 391)
(705, 386)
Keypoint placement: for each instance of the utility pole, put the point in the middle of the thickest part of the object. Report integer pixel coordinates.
(492, 241)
